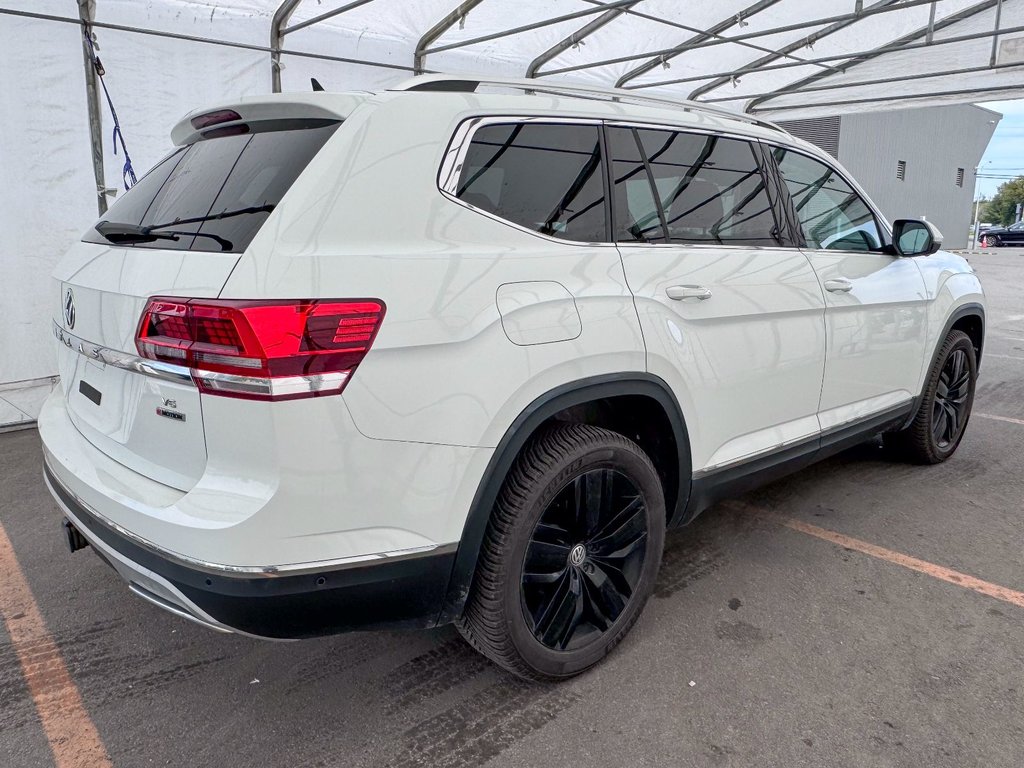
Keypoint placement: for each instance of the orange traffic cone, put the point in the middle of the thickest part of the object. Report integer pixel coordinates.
(984, 242)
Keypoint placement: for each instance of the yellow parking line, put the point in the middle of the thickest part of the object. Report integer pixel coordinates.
(939, 572)
(69, 730)
(921, 566)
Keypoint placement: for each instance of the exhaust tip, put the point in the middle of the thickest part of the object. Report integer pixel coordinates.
(75, 539)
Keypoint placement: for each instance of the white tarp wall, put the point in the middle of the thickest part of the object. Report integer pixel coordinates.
(48, 197)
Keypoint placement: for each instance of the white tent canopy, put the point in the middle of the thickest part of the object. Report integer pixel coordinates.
(776, 58)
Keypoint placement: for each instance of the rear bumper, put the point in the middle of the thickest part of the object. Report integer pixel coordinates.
(401, 591)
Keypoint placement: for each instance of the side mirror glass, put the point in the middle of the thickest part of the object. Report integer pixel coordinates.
(913, 237)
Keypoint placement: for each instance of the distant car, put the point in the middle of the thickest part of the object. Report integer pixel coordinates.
(999, 236)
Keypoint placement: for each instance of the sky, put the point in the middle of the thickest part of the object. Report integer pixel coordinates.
(1005, 153)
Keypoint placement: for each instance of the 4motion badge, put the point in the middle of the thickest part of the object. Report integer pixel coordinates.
(168, 412)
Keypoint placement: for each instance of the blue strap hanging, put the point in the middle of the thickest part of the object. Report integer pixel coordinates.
(127, 172)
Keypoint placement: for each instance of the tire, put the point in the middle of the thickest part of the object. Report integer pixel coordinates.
(993, 241)
(535, 579)
(941, 419)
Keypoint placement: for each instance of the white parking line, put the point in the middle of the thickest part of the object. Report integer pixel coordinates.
(1000, 418)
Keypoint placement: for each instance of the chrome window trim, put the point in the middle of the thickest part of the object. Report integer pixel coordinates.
(455, 155)
(177, 374)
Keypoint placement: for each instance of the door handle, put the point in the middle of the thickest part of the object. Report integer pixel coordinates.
(839, 285)
(683, 292)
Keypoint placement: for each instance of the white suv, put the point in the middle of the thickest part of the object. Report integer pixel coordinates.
(461, 351)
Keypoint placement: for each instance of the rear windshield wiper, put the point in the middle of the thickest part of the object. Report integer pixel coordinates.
(127, 234)
(122, 233)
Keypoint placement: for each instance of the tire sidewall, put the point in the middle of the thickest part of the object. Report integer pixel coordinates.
(549, 662)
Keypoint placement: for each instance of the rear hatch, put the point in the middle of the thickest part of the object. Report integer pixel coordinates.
(179, 232)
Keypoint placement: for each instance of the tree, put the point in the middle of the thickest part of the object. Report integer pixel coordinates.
(1002, 208)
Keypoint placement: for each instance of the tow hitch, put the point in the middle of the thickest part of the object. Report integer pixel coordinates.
(76, 540)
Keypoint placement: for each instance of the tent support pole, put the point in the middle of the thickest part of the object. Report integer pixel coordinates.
(86, 12)
(420, 55)
(995, 37)
(281, 16)
(912, 39)
(710, 32)
(575, 38)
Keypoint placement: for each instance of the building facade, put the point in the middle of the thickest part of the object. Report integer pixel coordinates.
(914, 163)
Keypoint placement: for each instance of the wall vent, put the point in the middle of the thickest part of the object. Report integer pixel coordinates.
(959, 177)
(901, 170)
(821, 131)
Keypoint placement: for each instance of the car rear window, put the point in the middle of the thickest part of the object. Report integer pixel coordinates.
(215, 194)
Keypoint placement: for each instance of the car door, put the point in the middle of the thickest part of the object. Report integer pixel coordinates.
(875, 302)
(1014, 234)
(732, 320)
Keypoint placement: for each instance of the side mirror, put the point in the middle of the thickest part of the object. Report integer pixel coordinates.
(913, 237)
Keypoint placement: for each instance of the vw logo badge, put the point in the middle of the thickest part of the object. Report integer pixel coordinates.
(578, 554)
(69, 309)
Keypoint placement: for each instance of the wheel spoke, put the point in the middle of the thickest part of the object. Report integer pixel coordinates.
(625, 548)
(959, 359)
(615, 575)
(545, 557)
(953, 421)
(556, 616)
(550, 533)
(939, 419)
(540, 578)
(605, 601)
(619, 525)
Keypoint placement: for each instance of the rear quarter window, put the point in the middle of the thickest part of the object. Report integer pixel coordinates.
(215, 194)
(548, 178)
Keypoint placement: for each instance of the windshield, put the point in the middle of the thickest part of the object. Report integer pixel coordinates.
(215, 194)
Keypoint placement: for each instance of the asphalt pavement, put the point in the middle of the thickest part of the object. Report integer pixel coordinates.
(826, 620)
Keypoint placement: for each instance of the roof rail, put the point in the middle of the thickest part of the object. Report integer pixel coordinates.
(470, 84)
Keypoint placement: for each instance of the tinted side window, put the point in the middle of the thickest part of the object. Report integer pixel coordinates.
(832, 216)
(637, 218)
(711, 189)
(545, 177)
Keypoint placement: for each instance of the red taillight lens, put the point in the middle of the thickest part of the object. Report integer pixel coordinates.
(267, 350)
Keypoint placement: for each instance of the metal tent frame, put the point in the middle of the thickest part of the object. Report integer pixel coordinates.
(607, 12)
(828, 86)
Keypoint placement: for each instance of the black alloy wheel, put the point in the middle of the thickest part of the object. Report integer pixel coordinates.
(950, 407)
(993, 241)
(945, 405)
(584, 559)
(570, 555)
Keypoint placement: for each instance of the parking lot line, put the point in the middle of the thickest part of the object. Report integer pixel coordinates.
(73, 738)
(999, 418)
(939, 572)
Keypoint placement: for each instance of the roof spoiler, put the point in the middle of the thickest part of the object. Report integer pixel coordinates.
(323, 106)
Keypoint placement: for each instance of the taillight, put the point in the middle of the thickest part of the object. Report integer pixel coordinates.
(260, 349)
